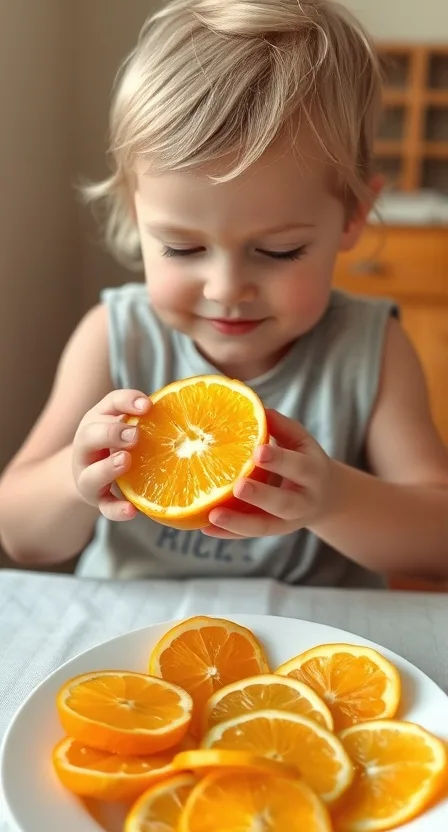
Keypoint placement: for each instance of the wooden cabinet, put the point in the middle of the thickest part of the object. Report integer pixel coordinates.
(412, 145)
(409, 265)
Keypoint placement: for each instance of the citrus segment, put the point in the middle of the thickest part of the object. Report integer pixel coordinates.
(160, 807)
(400, 768)
(317, 754)
(124, 712)
(195, 442)
(252, 802)
(203, 654)
(265, 692)
(357, 683)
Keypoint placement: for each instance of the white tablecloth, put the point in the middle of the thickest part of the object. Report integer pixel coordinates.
(46, 619)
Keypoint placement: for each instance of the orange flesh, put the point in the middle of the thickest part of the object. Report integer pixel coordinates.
(352, 687)
(125, 701)
(261, 696)
(201, 661)
(191, 442)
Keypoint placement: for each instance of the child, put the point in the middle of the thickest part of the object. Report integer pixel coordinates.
(241, 143)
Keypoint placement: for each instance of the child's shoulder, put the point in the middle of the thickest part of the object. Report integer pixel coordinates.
(353, 306)
(355, 320)
(129, 310)
(128, 295)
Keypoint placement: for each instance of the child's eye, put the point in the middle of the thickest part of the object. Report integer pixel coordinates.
(294, 254)
(180, 252)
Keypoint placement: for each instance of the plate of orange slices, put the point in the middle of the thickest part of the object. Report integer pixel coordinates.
(230, 725)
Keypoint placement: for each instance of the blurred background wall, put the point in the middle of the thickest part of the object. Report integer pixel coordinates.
(40, 292)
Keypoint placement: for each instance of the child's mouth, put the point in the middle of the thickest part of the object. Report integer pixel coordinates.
(234, 327)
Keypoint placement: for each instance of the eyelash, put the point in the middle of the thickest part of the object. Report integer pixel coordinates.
(294, 254)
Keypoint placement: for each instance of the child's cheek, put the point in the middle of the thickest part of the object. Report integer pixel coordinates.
(308, 301)
(170, 290)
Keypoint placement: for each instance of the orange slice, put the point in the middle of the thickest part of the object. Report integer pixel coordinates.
(400, 768)
(318, 756)
(203, 654)
(265, 692)
(92, 773)
(159, 809)
(124, 712)
(237, 802)
(197, 439)
(357, 683)
(202, 760)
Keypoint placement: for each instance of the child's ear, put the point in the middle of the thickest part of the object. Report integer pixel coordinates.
(354, 225)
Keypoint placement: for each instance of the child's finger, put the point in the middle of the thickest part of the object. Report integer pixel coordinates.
(297, 467)
(285, 503)
(95, 478)
(131, 402)
(214, 531)
(248, 525)
(116, 510)
(288, 433)
(99, 436)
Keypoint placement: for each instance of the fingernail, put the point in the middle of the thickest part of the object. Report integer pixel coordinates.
(118, 460)
(265, 453)
(141, 404)
(128, 434)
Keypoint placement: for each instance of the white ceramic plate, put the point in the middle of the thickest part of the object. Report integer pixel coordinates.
(38, 803)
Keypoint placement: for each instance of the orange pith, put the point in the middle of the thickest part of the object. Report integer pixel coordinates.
(124, 712)
(203, 654)
(357, 683)
(195, 442)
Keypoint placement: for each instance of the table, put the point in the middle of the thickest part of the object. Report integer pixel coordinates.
(45, 619)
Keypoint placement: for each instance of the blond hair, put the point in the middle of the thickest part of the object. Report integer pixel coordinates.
(209, 78)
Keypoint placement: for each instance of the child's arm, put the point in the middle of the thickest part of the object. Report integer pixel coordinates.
(43, 519)
(398, 520)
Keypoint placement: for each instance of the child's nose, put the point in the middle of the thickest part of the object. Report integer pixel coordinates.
(228, 287)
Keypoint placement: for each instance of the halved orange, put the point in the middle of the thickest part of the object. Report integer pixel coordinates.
(317, 754)
(357, 683)
(92, 773)
(237, 802)
(265, 692)
(195, 442)
(160, 807)
(202, 654)
(400, 768)
(202, 760)
(124, 712)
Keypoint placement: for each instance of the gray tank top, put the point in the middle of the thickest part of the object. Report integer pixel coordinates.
(328, 381)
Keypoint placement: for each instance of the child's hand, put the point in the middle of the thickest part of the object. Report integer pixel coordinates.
(301, 498)
(99, 451)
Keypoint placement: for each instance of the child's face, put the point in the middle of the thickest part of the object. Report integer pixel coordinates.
(245, 267)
